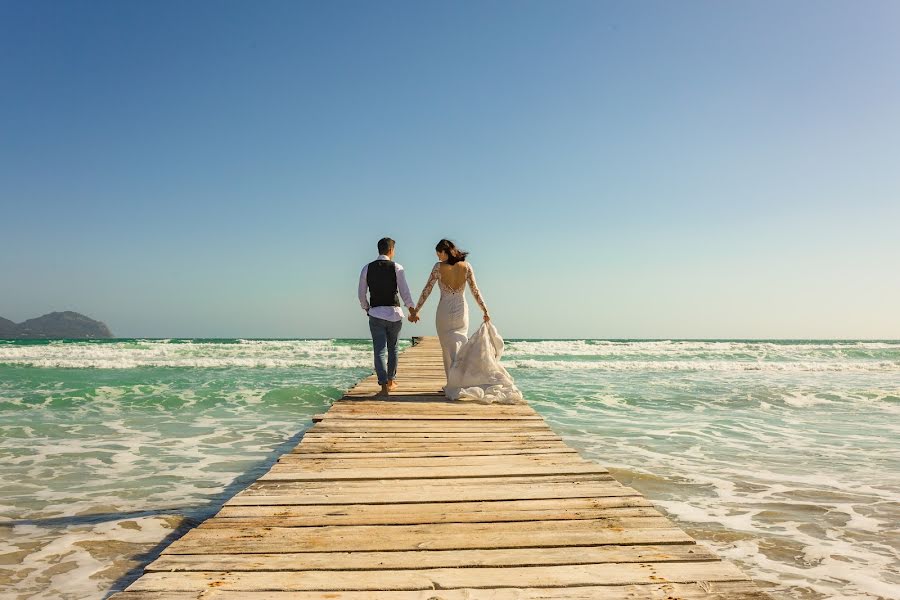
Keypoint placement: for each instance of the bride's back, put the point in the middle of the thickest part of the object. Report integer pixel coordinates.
(454, 276)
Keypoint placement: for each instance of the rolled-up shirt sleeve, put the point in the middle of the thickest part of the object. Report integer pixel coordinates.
(403, 287)
(363, 288)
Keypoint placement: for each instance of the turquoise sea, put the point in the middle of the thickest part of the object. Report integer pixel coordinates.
(783, 456)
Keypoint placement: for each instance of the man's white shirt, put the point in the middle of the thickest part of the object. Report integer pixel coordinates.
(388, 313)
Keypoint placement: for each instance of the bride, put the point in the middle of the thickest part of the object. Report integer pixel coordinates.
(472, 365)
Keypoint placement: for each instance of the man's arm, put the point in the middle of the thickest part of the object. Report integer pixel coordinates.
(403, 288)
(362, 289)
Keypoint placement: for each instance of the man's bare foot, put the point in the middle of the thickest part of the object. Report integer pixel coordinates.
(391, 385)
(384, 393)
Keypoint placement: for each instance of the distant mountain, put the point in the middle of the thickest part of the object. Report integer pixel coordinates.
(7, 328)
(55, 325)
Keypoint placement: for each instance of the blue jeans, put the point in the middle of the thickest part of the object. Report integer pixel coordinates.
(385, 335)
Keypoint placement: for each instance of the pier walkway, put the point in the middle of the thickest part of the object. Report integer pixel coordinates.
(418, 498)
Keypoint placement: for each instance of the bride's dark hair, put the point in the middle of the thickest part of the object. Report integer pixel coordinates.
(454, 254)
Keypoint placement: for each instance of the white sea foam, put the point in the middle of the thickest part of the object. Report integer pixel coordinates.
(109, 474)
(801, 400)
(662, 348)
(325, 354)
(71, 550)
(663, 355)
(704, 365)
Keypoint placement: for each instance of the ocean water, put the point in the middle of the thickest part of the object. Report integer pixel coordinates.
(783, 456)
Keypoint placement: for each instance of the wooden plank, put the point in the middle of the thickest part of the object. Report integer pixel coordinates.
(427, 461)
(430, 579)
(385, 445)
(706, 590)
(422, 559)
(386, 426)
(408, 415)
(438, 536)
(381, 484)
(457, 436)
(433, 421)
(312, 461)
(432, 511)
(415, 516)
(303, 452)
(297, 472)
(367, 445)
(435, 494)
(344, 408)
(443, 443)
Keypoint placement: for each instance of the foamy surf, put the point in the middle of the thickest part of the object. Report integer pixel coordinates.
(792, 472)
(202, 354)
(98, 466)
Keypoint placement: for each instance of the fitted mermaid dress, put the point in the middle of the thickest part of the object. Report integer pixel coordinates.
(472, 367)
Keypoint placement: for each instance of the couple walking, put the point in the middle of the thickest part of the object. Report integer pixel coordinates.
(472, 365)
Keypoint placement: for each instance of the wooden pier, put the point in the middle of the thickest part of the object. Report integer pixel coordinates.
(419, 498)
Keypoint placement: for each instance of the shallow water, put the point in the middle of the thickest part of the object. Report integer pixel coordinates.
(783, 456)
(772, 454)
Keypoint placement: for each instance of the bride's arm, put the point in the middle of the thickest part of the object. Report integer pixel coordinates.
(470, 278)
(428, 286)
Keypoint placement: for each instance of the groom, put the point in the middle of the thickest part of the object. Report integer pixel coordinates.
(383, 278)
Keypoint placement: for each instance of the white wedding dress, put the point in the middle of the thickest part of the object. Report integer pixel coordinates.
(472, 365)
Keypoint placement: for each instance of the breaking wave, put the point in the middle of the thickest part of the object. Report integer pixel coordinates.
(130, 354)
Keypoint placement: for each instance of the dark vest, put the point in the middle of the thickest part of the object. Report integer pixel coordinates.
(382, 280)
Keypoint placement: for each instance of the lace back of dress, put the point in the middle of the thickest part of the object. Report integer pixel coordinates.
(452, 279)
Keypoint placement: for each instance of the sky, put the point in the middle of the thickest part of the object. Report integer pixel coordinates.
(616, 169)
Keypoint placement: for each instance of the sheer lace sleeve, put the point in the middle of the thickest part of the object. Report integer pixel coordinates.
(470, 277)
(435, 273)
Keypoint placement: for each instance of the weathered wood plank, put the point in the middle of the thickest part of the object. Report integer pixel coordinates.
(441, 406)
(707, 590)
(456, 436)
(435, 494)
(297, 472)
(436, 512)
(382, 419)
(430, 579)
(347, 417)
(613, 516)
(416, 516)
(381, 483)
(439, 444)
(307, 452)
(387, 444)
(439, 536)
(444, 448)
(421, 559)
(323, 463)
(385, 426)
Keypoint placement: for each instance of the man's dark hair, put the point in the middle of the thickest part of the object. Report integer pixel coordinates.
(385, 245)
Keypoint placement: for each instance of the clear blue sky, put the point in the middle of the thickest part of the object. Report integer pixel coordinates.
(617, 169)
